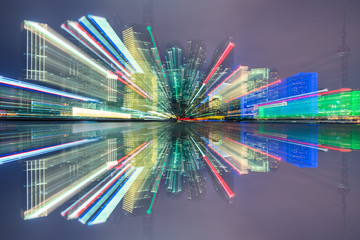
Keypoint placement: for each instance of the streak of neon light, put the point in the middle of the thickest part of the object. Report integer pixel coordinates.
(254, 149)
(110, 34)
(92, 28)
(302, 144)
(68, 30)
(306, 96)
(202, 86)
(91, 39)
(111, 204)
(132, 88)
(38, 88)
(156, 189)
(40, 151)
(157, 53)
(338, 90)
(221, 59)
(72, 206)
(221, 180)
(65, 194)
(232, 74)
(310, 144)
(224, 159)
(92, 199)
(286, 98)
(130, 153)
(217, 175)
(256, 89)
(132, 156)
(65, 45)
(126, 79)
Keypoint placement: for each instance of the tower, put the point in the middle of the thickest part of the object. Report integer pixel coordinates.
(343, 52)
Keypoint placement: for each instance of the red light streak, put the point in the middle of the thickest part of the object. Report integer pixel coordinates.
(130, 153)
(85, 43)
(221, 59)
(189, 119)
(256, 150)
(104, 190)
(221, 180)
(132, 88)
(338, 90)
(124, 77)
(257, 89)
(131, 157)
(232, 74)
(108, 54)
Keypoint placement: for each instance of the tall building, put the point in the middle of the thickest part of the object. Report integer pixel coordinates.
(343, 53)
(174, 60)
(195, 61)
(138, 43)
(274, 75)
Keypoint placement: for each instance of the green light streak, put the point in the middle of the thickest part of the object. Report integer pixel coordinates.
(156, 189)
(157, 53)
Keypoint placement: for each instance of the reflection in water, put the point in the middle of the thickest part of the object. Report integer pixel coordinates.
(88, 170)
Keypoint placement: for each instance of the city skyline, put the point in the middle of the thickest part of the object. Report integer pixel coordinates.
(121, 71)
(270, 44)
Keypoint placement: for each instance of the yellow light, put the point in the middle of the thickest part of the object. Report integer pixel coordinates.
(83, 112)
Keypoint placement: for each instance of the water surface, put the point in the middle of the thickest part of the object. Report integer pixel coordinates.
(158, 180)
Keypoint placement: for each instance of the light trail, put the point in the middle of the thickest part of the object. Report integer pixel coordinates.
(255, 90)
(230, 76)
(95, 196)
(32, 153)
(38, 88)
(229, 47)
(66, 46)
(157, 53)
(232, 165)
(254, 149)
(227, 189)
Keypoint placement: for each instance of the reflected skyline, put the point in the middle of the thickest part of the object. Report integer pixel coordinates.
(94, 172)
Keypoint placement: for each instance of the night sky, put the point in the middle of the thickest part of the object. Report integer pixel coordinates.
(292, 36)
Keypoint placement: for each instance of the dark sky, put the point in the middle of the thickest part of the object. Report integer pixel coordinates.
(290, 35)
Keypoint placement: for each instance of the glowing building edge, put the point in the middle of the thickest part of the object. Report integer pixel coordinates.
(34, 87)
(66, 46)
(107, 30)
(83, 112)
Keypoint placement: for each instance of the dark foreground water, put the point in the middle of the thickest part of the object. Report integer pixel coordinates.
(179, 181)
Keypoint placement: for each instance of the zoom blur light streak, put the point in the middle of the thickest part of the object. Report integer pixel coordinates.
(221, 59)
(174, 160)
(65, 45)
(227, 50)
(109, 32)
(255, 90)
(34, 87)
(230, 76)
(111, 204)
(66, 194)
(254, 149)
(227, 189)
(44, 150)
(99, 70)
(156, 51)
(83, 112)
